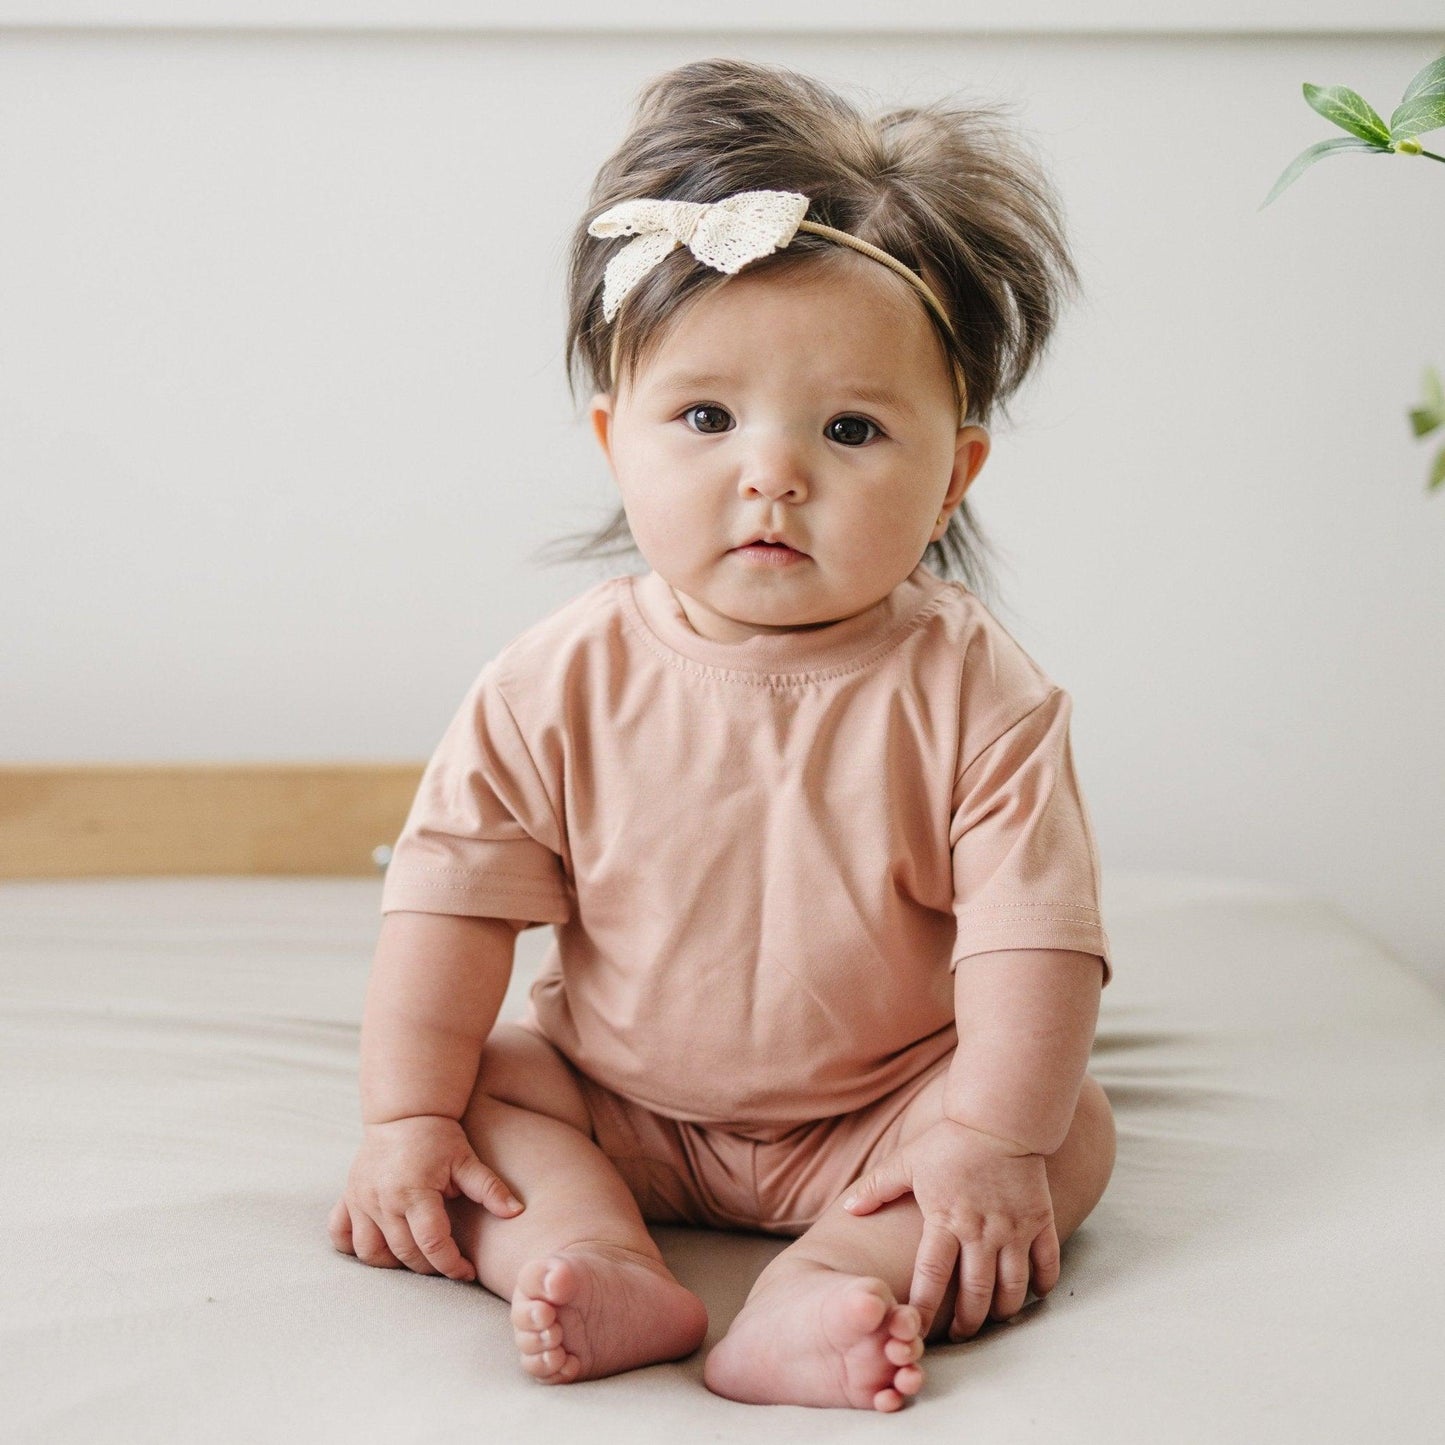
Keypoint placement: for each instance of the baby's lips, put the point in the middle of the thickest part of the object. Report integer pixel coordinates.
(778, 546)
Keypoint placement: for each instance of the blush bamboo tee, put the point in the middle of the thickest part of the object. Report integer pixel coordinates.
(762, 859)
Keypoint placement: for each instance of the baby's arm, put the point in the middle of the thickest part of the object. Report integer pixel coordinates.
(1026, 1020)
(437, 984)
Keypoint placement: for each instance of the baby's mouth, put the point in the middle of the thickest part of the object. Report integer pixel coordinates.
(764, 545)
(770, 554)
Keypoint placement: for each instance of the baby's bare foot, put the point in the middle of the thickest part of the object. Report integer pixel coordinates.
(817, 1337)
(596, 1309)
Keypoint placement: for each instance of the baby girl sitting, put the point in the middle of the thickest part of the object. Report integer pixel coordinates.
(827, 945)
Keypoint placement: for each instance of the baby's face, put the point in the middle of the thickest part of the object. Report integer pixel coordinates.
(814, 405)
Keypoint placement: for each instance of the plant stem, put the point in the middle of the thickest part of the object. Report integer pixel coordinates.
(1432, 155)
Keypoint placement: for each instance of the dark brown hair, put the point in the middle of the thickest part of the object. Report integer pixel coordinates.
(948, 191)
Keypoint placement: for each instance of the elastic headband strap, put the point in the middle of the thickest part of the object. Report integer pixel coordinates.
(892, 262)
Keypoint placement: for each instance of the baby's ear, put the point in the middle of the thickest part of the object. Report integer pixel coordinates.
(599, 413)
(970, 453)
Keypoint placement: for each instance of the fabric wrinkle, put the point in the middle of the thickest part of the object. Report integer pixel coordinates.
(775, 1178)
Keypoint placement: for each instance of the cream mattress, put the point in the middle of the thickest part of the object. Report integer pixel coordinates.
(178, 1111)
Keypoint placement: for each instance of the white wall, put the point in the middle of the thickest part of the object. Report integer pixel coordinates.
(282, 411)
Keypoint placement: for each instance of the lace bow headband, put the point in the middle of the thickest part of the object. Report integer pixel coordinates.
(725, 235)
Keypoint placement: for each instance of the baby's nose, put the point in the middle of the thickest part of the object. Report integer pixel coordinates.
(775, 470)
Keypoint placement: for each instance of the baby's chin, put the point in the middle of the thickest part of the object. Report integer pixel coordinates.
(736, 618)
(769, 611)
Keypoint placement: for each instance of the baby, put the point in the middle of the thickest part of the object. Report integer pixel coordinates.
(827, 946)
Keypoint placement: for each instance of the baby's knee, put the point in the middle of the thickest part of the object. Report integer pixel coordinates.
(502, 1069)
(1080, 1169)
(1098, 1122)
(520, 1068)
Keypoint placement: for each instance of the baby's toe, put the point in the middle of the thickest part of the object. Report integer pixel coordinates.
(552, 1367)
(865, 1306)
(903, 1352)
(909, 1380)
(545, 1362)
(532, 1314)
(554, 1276)
(887, 1400)
(905, 1323)
(534, 1342)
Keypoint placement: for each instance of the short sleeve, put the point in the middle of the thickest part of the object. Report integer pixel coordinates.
(482, 837)
(1025, 864)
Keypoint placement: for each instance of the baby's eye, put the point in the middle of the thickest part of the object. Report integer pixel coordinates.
(714, 418)
(849, 430)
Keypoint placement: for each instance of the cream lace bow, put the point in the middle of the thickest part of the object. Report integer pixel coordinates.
(724, 234)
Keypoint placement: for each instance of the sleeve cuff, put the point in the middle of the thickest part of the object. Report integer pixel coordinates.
(1065, 930)
(454, 890)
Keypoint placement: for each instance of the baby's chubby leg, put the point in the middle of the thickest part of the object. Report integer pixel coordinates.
(590, 1292)
(823, 1324)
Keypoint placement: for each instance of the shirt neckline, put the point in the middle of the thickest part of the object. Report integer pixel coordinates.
(655, 607)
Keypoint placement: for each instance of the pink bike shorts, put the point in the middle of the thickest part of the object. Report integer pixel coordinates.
(779, 1181)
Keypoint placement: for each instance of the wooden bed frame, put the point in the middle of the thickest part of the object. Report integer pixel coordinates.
(89, 820)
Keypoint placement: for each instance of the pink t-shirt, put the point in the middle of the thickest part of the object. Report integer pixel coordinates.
(762, 858)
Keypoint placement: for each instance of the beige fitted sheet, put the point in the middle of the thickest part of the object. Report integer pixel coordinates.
(178, 1109)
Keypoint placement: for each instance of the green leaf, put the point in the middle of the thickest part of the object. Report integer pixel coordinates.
(1351, 112)
(1437, 473)
(1418, 118)
(1434, 390)
(1306, 159)
(1430, 81)
(1422, 107)
(1424, 419)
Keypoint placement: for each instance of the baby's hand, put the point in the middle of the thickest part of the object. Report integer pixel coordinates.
(392, 1212)
(986, 1206)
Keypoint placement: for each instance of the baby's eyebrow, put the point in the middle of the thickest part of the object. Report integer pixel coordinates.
(691, 380)
(879, 396)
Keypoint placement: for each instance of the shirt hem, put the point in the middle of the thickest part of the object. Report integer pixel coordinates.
(427, 896)
(1072, 934)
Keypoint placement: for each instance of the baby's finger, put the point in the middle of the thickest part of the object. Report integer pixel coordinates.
(1012, 1285)
(338, 1226)
(975, 1290)
(879, 1186)
(370, 1244)
(403, 1246)
(431, 1228)
(1045, 1256)
(483, 1186)
(932, 1270)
